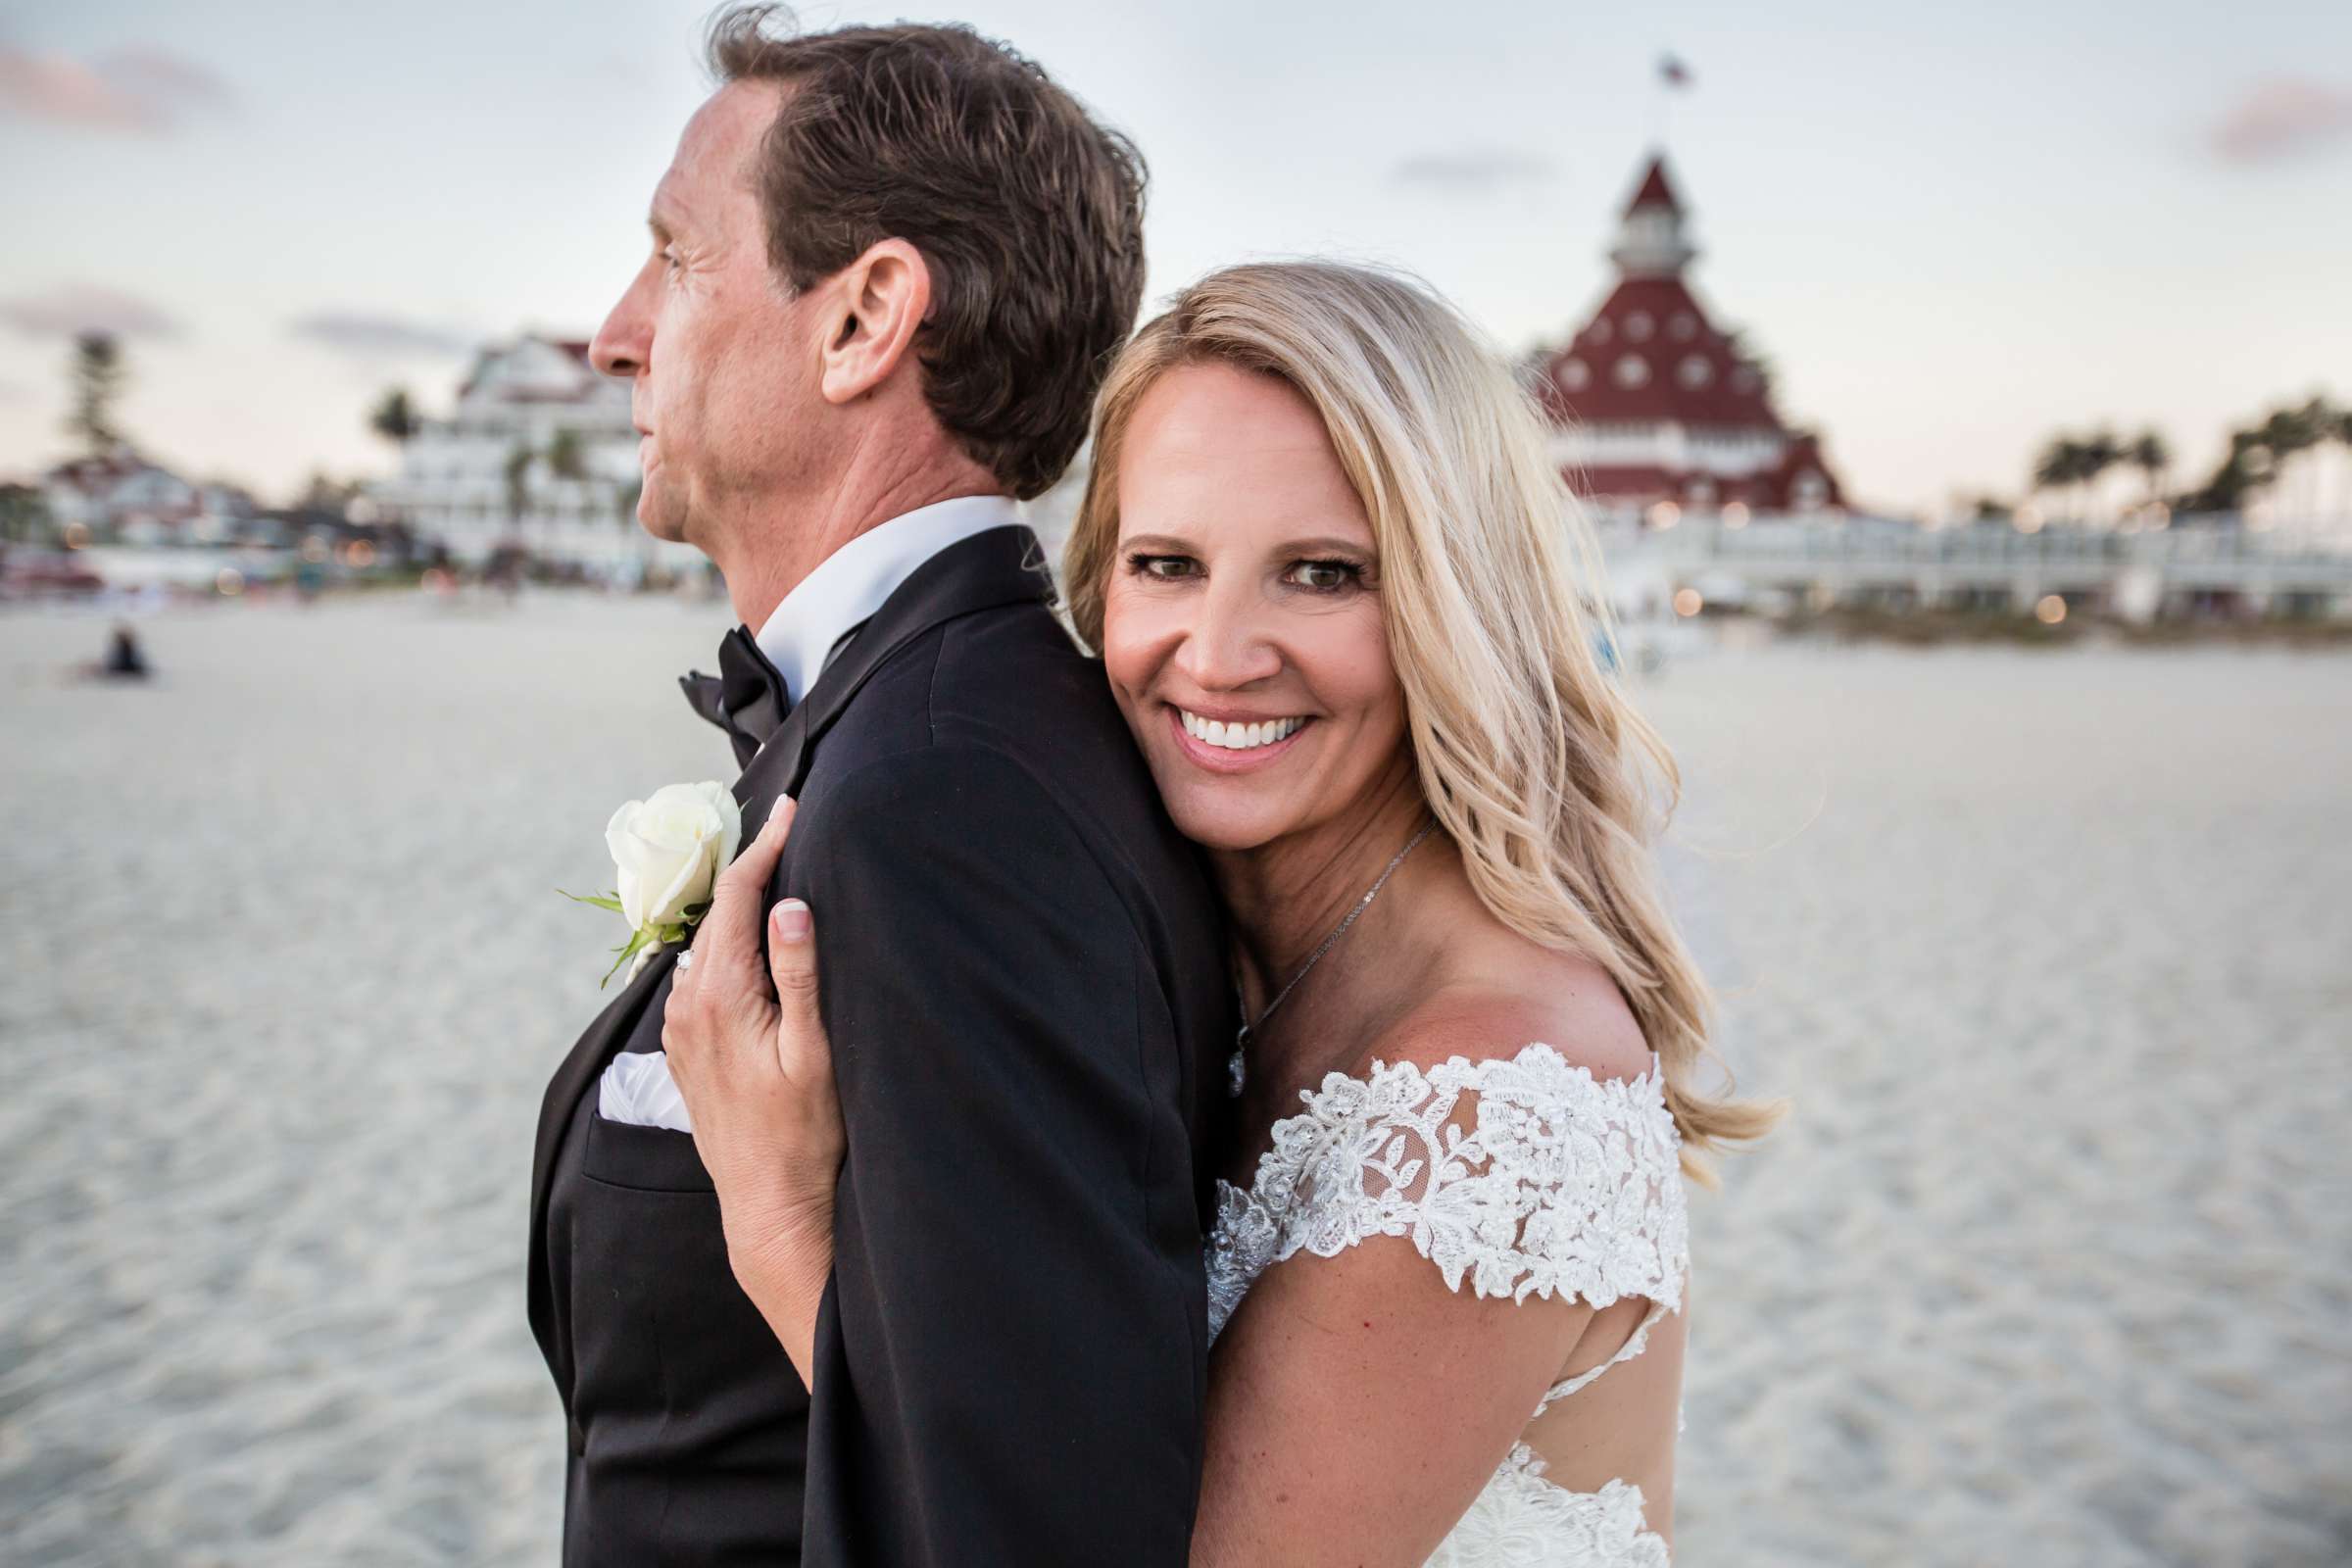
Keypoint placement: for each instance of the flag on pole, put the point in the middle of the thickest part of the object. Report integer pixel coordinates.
(1673, 72)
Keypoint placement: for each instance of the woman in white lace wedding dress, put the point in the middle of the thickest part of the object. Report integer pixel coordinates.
(1343, 600)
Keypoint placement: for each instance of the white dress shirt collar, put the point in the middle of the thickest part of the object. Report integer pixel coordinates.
(850, 584)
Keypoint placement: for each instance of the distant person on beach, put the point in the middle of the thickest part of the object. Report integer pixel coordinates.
(124, 661)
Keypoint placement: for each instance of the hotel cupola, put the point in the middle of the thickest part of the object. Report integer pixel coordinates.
(1657, 411)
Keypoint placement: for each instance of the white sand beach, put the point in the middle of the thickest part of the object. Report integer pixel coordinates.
(2051, 949)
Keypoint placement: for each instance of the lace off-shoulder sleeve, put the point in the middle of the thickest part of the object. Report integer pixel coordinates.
(1525, 1176)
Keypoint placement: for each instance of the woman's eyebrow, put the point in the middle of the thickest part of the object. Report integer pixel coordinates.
(1315, 545)
(1327, 544)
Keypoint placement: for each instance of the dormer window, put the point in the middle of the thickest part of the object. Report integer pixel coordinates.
(1638, 327)
(1632, 370)
(1574, 376)
(1695, 371)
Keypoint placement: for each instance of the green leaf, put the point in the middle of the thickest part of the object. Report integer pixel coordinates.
(610, 902)
(636, 941)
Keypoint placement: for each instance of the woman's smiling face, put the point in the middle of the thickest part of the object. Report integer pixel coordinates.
(1241, 624)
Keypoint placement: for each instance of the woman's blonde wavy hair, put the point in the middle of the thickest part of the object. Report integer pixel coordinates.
(1531, 757)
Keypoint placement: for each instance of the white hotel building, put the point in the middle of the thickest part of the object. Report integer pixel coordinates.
(461, 479)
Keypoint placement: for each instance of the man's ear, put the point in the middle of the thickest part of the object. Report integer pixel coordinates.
(879, 302)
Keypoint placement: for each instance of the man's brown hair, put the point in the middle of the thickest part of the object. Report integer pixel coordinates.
(1029, 215)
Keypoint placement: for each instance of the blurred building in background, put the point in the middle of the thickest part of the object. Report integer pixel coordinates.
(538, 458)
(1659, 408)
(122, 498)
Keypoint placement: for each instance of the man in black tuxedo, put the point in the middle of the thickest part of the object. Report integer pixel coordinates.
(889, 266)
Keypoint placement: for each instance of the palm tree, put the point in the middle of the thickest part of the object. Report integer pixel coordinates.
(2151, 456)
(2100, 453)
(98, 375)
(565, 457)
(2289, 433)
(2060, 465)
(394, 418)
(2233, 480)
(23, 514)
(2251, 466)
(2342, 431)
(519, 483)
(2054, 465)
(324, 494)
(2316, 422)
(568, 459)
(2068, 464)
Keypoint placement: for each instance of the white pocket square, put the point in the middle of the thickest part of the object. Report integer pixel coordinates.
(637, 1090)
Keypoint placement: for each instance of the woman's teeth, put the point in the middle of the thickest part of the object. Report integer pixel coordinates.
(1239, 737)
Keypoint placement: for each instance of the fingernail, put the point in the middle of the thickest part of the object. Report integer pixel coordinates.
(775, 811)
(792, 920)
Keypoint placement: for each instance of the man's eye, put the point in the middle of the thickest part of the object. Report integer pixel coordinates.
(1324, 576)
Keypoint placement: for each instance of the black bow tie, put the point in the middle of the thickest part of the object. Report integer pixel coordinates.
(745, 697)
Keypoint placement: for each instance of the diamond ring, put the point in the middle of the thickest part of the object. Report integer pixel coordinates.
(686, 961)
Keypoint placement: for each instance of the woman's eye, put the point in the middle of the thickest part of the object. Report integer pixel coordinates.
(1324, 576)
(1165, 568)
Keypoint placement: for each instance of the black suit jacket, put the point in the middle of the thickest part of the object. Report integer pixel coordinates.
(1024, 983)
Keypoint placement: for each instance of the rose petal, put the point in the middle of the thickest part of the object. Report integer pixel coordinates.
(667, 848)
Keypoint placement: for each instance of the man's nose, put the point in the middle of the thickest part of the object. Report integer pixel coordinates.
(623, 344)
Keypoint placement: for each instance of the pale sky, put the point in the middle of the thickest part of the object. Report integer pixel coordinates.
(1954, 230)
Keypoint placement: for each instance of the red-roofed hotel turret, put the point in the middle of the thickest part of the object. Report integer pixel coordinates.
(1654, 403)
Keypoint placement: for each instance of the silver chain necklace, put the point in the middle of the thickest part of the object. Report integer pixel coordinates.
(1237, 1068)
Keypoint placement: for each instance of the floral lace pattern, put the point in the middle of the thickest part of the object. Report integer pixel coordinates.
(1548, 1182)
(1522, 1520)
(1563, 1184)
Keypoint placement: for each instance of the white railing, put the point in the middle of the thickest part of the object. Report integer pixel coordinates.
(1869, 555)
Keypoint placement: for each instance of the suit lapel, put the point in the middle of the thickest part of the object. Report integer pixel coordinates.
(986, 571)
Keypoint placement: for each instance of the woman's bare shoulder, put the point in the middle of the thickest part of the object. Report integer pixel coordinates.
(1495, 1009)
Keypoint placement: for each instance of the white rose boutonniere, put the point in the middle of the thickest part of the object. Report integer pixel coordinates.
(666, 851)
